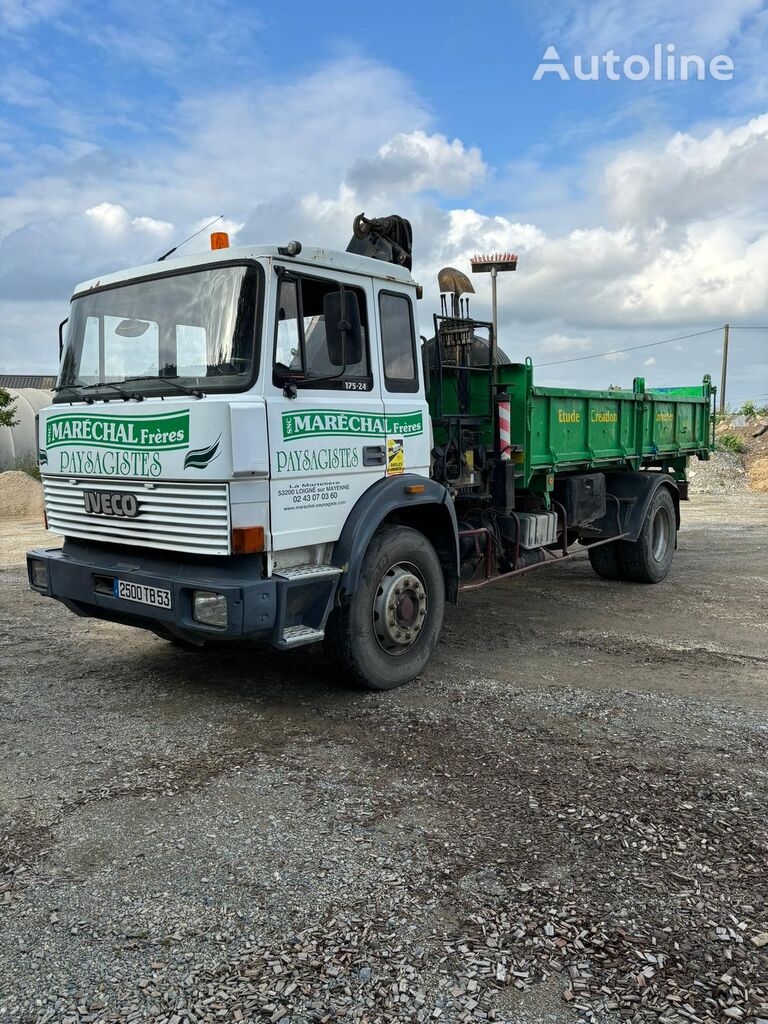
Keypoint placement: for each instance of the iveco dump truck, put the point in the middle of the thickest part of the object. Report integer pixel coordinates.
(254, 442)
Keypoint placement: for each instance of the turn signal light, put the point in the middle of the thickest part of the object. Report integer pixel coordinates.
(415, 489)
(247, 540)
(219, 240)
(38, 570)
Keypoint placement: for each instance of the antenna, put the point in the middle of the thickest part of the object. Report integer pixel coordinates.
(205, 228)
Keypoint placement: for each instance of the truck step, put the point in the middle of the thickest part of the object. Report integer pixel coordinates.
(299, 636)
(308, 572)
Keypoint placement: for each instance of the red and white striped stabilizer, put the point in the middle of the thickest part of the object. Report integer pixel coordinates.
(505, 437)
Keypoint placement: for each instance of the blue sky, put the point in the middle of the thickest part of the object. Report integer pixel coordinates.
(639, 208)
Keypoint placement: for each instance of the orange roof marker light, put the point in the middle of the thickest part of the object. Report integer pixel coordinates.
(219, 240)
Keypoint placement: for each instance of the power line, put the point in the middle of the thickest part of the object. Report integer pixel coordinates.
(632, 348)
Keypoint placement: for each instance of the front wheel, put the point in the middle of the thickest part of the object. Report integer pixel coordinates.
(388, 631)
(648, 560)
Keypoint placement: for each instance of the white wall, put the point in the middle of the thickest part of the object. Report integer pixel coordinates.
(19, 441)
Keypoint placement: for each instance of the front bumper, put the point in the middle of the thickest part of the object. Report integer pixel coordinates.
(81, 577)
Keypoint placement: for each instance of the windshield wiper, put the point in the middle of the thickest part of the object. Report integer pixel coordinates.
(76, 389)
(125, 395)
(173, 381)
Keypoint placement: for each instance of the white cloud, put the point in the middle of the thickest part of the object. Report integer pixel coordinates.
(710, 271)
(159, 228)
(416, 161)
(650, 361)
(690, 176)
(114, 219)
(110, 216)
(471, 231)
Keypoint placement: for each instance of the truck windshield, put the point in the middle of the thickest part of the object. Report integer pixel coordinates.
(188, 330)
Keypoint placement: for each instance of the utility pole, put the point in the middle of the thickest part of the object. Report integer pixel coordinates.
(492, 264)
(724, 369)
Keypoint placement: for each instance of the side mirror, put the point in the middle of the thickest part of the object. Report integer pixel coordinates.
(425, 368)
(61, 336)
(343, 330)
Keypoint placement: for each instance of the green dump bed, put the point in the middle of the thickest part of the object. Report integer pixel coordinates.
(562, 430)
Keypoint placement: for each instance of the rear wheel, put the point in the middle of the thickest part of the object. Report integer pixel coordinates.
(605, 560)
(388, 631)
(649, 559)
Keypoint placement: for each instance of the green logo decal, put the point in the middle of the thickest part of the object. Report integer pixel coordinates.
(163, 432)
(324, 422)
(200, 457)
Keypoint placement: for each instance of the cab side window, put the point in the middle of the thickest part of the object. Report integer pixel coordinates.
(398, 342)
(304, 350)
(288, 344)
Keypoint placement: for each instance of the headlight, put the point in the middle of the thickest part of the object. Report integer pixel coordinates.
(39, 573)
(208, 608)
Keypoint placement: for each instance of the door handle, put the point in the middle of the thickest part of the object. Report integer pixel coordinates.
(374, 455)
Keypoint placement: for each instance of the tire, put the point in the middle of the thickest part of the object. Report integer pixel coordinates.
(648, 560)
(386, 634)
(606, 562)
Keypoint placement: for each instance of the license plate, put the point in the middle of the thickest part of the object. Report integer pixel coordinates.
(142, 594)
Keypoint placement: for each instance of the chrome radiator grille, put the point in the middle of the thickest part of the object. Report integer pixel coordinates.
(172, 516)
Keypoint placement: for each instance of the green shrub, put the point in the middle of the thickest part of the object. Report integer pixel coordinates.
(7, 417)
(731, 443)
(748, 409)
(27, 464)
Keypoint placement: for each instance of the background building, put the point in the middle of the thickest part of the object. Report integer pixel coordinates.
(32, 393)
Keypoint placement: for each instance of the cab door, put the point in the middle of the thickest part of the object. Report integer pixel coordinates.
(409, 441)
(327, 431)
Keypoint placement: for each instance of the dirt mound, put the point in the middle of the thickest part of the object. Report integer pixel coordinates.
(723, 473)
(758, 474)
(21, 497)
(750, 434)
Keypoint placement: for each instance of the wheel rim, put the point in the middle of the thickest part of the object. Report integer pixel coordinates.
(399, 608)
(662, 529)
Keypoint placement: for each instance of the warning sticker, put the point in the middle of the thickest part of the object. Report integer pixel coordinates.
(395, 456)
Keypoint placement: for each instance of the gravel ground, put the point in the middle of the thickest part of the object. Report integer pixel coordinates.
(564, 819)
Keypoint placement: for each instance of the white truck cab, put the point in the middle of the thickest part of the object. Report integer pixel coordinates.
(252, 443)
(230, 432)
